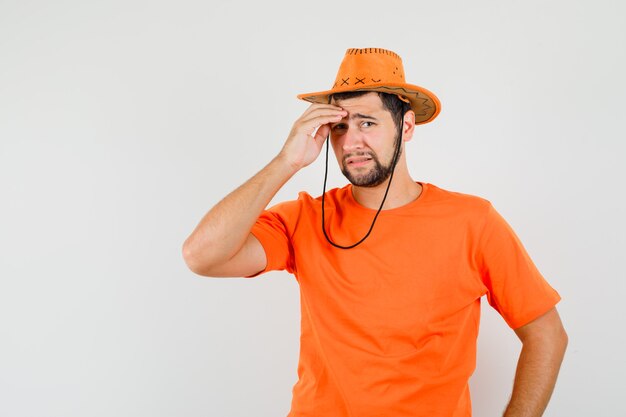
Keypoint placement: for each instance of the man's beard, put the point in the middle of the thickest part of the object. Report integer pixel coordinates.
(377, 175)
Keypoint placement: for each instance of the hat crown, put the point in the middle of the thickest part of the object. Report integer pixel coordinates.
(369, 66)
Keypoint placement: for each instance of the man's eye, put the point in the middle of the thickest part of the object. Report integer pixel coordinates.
(339, 126)
(367, 124)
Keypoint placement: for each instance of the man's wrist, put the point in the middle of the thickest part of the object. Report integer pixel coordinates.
(285, 165)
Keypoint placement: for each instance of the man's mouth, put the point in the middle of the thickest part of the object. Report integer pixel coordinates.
(357, 161)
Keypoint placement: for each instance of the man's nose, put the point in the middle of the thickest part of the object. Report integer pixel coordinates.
(353, 140)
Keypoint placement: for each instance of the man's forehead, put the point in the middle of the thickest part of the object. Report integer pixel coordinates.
(370, 101)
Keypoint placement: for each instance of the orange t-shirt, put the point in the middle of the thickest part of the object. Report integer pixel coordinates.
(389, 328)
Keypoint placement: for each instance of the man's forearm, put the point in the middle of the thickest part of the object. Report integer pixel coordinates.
(224, 229)
(535, 377)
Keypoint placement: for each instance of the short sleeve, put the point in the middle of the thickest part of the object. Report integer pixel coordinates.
(274, 229)
(516, 288)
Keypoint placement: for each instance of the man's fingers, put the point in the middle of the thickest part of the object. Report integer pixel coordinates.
(314, 124)
(316, 106)
(321, 134)
(324, 113)
(321, 118)
(318, 122)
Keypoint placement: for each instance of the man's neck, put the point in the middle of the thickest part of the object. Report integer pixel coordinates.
(403, 190)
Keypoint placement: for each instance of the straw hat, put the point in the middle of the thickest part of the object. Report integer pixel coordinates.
(376, 69)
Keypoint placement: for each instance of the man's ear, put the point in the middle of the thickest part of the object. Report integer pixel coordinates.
(408, 125)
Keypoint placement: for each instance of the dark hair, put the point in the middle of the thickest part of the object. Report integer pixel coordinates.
(391, 102)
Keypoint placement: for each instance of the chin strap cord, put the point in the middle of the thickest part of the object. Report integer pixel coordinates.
(394, 162)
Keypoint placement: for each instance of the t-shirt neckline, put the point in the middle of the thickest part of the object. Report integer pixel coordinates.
(418, 201)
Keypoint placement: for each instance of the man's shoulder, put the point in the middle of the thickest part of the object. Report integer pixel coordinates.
(453, 194)
(331, 196)
(456, 199)
(306, 201)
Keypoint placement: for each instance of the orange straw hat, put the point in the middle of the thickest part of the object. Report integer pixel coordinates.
(376, 69)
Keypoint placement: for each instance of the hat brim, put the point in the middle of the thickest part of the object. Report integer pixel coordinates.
(424, 103)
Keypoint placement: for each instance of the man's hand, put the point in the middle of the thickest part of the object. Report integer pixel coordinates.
(308, 134)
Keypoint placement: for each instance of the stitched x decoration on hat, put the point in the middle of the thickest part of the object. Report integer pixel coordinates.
(376, 69)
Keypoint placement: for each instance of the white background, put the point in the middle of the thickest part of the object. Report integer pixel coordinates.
(123, 122)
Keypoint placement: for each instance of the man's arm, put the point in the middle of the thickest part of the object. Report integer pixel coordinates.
(221, 244)
(544, 342)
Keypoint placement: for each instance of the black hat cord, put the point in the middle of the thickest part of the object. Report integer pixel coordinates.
(395, 161)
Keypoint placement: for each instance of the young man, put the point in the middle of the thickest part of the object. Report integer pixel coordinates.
(391, 271)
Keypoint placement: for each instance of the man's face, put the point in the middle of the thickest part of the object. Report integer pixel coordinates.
(365, 140)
